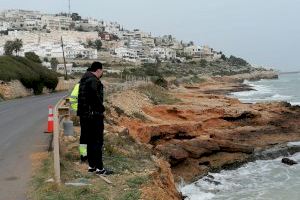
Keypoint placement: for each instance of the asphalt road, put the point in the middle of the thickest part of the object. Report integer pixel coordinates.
(22, 123)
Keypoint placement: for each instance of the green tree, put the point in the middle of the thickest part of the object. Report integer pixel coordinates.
(18, 44)
(160, 81)
(12, 46)
(8, 47)
(75, 17)
(191, 43)
(54, 63)
(90, 43)
(98, 44)
(32, 56)
(223, 57)
(203, 63)
(237, 61)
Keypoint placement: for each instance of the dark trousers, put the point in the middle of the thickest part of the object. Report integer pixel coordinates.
(92, 134)
(94, 153)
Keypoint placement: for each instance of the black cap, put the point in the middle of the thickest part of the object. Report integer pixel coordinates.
(95, 66)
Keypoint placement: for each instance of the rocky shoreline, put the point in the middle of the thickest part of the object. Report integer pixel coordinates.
(206, 131)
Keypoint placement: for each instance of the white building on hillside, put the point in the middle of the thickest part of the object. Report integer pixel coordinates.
(56, 22)
(126, 54)
(79, 51)
(4, 26)
(54, 50)
(112, 27)
(79, 70)
(134, 44)
(163, 53)
(61, 68)
(193, 50)
(148, 41)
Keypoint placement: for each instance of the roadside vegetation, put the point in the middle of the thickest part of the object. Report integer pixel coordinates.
(157, 94)
(191, 72)
(130, 162)
(31, 74)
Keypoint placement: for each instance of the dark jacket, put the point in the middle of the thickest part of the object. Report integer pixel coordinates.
(90, 97)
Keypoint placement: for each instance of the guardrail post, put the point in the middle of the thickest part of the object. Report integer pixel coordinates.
(56, 144)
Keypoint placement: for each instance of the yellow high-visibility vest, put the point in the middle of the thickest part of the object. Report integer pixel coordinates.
(74, 97)
(83, 150)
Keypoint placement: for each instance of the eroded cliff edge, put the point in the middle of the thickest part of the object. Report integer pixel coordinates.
(198, 129)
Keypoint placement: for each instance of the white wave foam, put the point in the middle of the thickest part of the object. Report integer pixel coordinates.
(193, 193)
(293, 144)
(261, 179)
(295, 103)
(278, 97)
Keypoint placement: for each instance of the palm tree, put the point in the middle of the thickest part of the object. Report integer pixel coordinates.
(18, 44)
(13, 46)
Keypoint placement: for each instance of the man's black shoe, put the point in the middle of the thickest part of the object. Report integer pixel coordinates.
(91, 170)
(83, 158)
(104, 172)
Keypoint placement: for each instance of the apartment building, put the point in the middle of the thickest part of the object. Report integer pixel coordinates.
(51, 22)
(4, 26)
(54, 50)
(163, 53)
(126, 54)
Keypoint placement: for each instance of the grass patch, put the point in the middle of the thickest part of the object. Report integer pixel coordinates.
(122, 154)
(126, 158)
(136, 182)
(158, 95)
(119, 111)
(140, 116)
(130, 195)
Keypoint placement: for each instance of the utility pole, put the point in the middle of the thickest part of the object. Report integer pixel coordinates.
(69, 8)
(62, 46)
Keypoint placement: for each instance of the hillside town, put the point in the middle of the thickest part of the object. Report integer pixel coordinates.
(88, 39)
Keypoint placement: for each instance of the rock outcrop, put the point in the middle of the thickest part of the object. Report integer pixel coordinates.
(207, 131)
(288, 161)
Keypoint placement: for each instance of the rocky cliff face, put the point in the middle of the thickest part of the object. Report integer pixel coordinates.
(207, 131)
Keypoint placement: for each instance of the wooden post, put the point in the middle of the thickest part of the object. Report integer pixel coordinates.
(56, 149)
(62, 46)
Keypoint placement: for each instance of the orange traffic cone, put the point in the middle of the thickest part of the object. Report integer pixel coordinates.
(50, 120)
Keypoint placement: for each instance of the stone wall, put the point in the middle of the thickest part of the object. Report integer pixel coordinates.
(15, 89)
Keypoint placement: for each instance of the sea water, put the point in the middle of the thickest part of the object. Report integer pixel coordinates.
(262, 179)
(285, 88)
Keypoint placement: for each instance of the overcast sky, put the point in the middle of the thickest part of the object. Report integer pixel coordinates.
(264, 32)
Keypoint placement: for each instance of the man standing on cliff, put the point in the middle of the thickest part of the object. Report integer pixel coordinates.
(90, 110)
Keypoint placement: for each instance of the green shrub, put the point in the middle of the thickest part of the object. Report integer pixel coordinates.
(139, 116)
(158, 95)
(33, 57)
(137, 181)
(160, 81)
(131, 195)
(237, 61)
(119, 111)
(32, 75)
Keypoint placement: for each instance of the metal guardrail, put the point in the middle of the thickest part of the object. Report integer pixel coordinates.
(56, 132)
